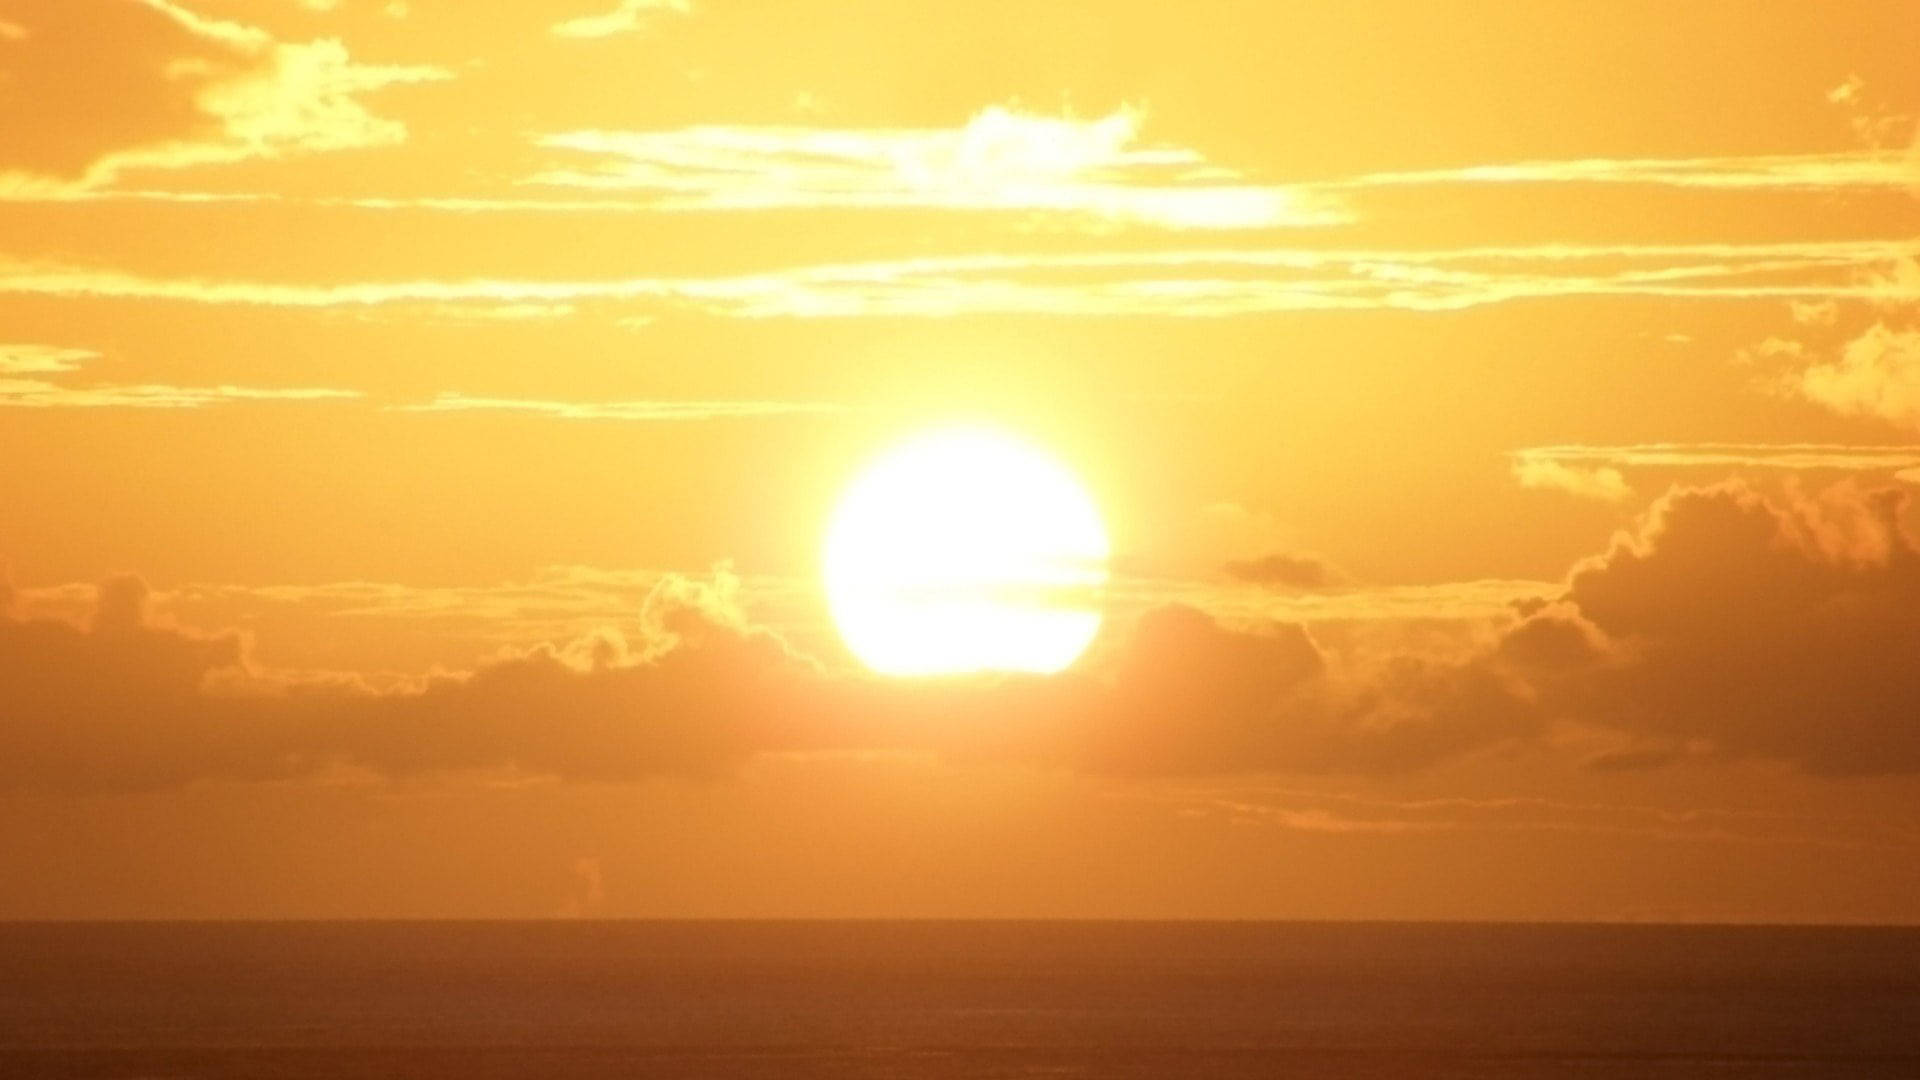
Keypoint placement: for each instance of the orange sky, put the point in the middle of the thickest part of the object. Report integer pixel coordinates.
(419, 421)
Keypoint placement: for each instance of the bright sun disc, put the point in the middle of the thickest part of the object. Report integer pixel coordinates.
(965, 550)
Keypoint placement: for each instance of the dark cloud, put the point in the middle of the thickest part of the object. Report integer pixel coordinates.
(1728, 623)
(1288, 570)
(116, 705)
(1782, 628)
(126, 703)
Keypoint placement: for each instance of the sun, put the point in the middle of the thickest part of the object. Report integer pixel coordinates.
(964, 549)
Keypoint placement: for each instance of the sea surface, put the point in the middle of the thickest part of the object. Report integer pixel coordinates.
(422, 1001)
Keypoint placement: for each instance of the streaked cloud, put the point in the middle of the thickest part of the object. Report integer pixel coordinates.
(1321, 811)
(1182, 283)
(1002, 159)
(42, 359)
(39, 393)
(1797, 457)
(36, 394)
(1866, 169)
(1450, 601)
(628, 16)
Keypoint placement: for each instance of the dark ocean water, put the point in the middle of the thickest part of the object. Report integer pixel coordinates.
(421, 1001)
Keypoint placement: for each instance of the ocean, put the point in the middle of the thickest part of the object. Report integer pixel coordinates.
(472, 1001)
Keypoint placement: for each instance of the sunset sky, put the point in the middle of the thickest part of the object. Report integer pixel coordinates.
(420, 424)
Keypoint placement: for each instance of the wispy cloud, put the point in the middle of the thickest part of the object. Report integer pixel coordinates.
(1602, 482)
(1002, 159)
(1303, 810)
(52, 360)
(1808, 172)
(1441, 601)
(37, 394)
(627, 17)
(1185, 283)
(1798, 457)
(42, 359)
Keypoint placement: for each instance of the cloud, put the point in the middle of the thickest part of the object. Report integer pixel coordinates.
(93, 90)
(1190, 695)
(128, 703)
(1205, 283)
(1002, 159)
(1256, 803)
(1726, 624)
(1291, 570)
(698, 690)
(1858, 169)
(52, 360)
(1877, 375)
(629, 16)
(1767, 628)
(1591, 482)
(1786, 457)
(42, 359)
(36, 394)
(1482, 600)
(1877, 372)
(116, 704)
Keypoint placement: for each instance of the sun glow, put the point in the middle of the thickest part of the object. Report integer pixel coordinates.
(965, 549)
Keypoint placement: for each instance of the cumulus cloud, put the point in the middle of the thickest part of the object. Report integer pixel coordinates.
(115, 704)
(1727, 623)
(91, 90)
(126, 702)
(1878, 375)
(698, 689)
(1779, 628)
